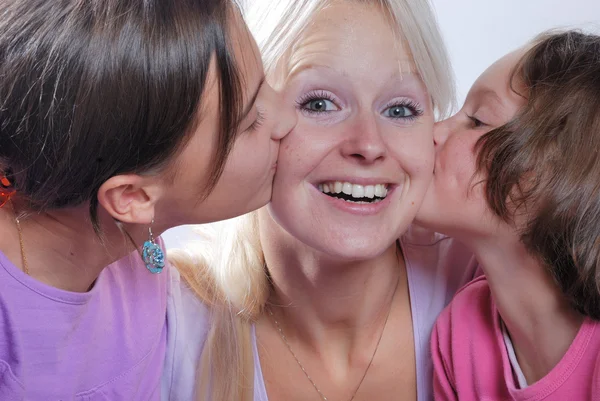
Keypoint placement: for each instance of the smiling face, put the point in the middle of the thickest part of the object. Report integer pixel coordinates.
(455, 203)
(354, 171)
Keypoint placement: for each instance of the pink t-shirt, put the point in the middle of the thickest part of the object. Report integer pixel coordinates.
(471, 361)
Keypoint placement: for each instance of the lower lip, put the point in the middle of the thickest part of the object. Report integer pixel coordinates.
(360, 209)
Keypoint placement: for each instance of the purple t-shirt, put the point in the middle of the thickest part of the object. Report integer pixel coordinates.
(106, 344)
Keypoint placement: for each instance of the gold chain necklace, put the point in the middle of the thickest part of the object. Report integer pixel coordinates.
(20, 231)
(289, 347)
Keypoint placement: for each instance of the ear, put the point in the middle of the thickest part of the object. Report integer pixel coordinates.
(130, 198)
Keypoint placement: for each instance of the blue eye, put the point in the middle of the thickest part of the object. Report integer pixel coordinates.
(398, 112)
(403, 110)
(317, 102)
(319, 105)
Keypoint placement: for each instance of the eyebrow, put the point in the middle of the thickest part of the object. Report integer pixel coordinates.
(499, 107)
(410, 71)
(248, 108)
(492, 94)
(296, 70)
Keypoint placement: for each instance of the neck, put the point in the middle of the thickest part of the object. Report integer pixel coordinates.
(541, 323)
(331, 306)
(61, 247)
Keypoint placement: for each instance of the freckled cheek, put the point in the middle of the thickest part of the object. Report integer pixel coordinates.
(298, 157)
(415, 157)
(309, 143)
(422, 168)
(463, 171)
(464, 157)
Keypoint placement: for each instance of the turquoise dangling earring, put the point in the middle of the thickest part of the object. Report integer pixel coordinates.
(152, 255)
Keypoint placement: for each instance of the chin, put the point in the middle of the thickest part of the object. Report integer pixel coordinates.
(258, 200)
(350, 249)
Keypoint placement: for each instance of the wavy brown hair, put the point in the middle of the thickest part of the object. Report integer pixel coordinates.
(545, 162)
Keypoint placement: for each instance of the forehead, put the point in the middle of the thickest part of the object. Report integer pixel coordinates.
(356, 37)
(497, 78)
(497, 86)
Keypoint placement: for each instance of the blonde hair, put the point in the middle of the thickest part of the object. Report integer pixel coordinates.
(277, 27)
(228, 270)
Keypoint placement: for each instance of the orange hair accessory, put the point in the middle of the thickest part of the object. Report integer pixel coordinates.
(6, 190)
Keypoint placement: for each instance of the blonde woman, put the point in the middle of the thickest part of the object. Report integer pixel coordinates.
(314, 297)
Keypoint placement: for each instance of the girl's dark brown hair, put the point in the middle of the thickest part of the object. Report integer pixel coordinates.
(90, 89)
(546, 162)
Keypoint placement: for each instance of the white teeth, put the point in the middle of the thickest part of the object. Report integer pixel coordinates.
(358, 191)
(355, 190)
(337, 187)
(347, 188)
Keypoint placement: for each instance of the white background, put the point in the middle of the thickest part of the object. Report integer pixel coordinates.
(478, 32)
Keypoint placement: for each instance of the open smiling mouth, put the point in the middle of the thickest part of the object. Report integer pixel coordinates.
(353, 192)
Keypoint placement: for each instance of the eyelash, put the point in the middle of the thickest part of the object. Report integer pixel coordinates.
(260, 119)
(476, 122)
(311, 96)
(414, 107)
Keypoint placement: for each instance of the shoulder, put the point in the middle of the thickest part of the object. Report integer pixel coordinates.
(596, 352)
(467, 346)
(184, 308)
(188, 317)
(131, 273)
(470, 316)
(188, 324)
(473, 300)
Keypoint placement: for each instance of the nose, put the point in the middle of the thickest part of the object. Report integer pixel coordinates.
(442, 130)
(286, 118)
(363, 141)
